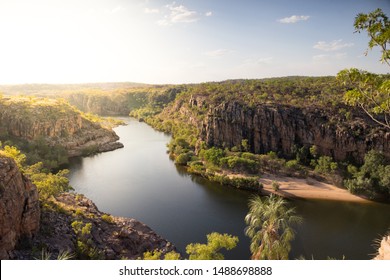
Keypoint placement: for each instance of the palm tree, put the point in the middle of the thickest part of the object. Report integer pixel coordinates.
(269, 226)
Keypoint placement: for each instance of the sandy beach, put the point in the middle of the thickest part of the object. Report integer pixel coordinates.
(307, 188)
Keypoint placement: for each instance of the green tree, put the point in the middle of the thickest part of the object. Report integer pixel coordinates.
(48, 184)
(377, 26)
(210, 251)
(16, 154)
(269, 226)
(372, 178)
(371, 92)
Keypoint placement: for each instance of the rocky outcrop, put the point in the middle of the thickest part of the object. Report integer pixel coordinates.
(110, 237)
(384, 249)
(56, 122)
(280, 127)
(19, 207)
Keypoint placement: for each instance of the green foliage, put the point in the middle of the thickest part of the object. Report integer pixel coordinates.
(313, 151)
(325, 165)
(213, 155)
(150, 256)
(85, 247)
(275, 186)
(292, 164)
(246, 183)
(211, 250)
(182, 159)
(372, 178)
(158, 255)
(237, 163)
(16, 154)
(369, 91)
(108, 218)
(377, 26)
(269, 226)
(48, 184)
(245, 145)
(172, 255)
(302, 154)
(197, 251)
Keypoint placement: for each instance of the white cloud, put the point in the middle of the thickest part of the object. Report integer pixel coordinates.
(293, 19)
(178, 14)
(332, 46)
(151, 11)
(218, 52)
(209, 14)
(327, 57)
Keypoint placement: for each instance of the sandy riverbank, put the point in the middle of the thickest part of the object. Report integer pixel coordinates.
(307, 188)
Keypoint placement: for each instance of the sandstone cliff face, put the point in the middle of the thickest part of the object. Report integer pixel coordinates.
(117, 239)
(57, 123)
(279, 128)
(19, 207)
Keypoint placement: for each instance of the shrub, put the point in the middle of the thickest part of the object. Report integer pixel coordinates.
(372, 178)
(182, 159)
(292, 164)
(108, 218)
(239, 164)
(325, 165)
(213, 155)
(275, 186)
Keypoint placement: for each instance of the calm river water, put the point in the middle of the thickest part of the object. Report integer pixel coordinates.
(140, 181)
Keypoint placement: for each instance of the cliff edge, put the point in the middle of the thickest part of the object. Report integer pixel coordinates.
(55, 121)
(19, 207)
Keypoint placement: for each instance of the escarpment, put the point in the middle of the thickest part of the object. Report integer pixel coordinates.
(57, 123)
(19, 207)
(279, 128)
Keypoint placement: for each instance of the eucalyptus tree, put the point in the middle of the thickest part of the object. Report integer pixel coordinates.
(371, 92)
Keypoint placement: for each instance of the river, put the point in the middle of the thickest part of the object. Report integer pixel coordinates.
(140, 181)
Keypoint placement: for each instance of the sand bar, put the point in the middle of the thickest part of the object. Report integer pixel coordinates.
(307, 188)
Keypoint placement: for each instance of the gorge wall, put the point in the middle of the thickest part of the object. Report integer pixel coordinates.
(19, 207)
(279, 128)
(56, 122)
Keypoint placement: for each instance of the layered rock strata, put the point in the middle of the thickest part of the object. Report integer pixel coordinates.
(19, 207)
(280, 128)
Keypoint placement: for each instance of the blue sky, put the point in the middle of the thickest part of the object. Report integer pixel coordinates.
(156, 41)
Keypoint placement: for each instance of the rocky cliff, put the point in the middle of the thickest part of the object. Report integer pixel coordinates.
(55, 121)
(280, 127)
(109, 238)
(19, 207)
